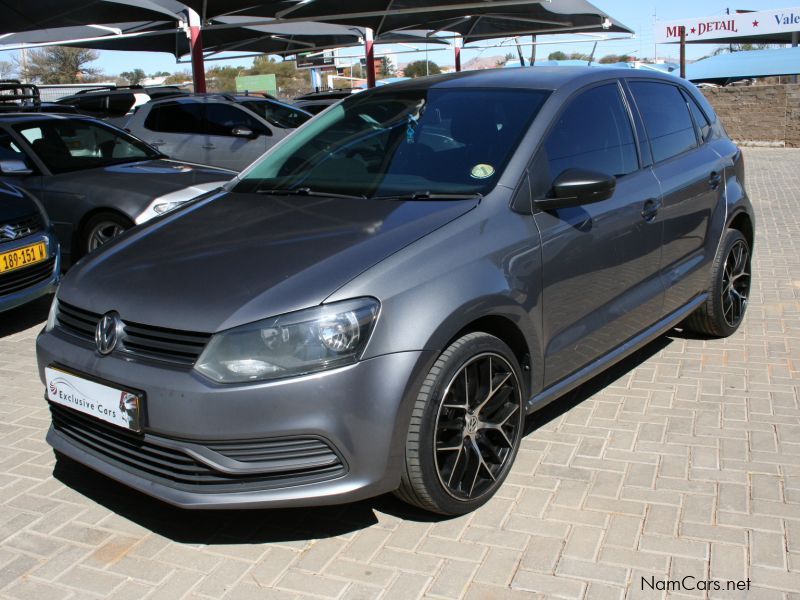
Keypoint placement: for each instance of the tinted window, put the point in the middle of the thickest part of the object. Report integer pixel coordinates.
(700, 119)
(65, 145)
(9, 149)
(92, 104)
(666, 118)
(221, 119)
(593, 133)
(120, 104)
(405, 142)
(277, 114)
(176, 118)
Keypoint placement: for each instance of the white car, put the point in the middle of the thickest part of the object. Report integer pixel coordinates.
(221, 130)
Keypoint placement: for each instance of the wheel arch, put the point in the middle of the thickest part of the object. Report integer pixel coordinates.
(78, 232)
(741, 221)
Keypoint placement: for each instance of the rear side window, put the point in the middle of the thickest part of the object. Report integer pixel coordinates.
(120, 105)
(176, 118)
(593, 133)
(700, 119)
(666, 118)
(93, 104)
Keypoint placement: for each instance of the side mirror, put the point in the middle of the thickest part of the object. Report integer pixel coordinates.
(14, 167)
(244, 132)
(579, 186)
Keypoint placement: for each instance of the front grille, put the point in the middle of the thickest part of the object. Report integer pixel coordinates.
(20, 228)
(145, 457)
(159, 343)
(20, 279)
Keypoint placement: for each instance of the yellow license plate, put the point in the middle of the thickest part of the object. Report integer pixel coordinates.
(22, 257)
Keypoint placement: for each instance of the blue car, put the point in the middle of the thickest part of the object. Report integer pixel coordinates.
(30, 255)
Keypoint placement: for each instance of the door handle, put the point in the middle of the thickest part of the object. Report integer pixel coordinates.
(714, 180)
(158, 143)
(650, 209)
(208, 147)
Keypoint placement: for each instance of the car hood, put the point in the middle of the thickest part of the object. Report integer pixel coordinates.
(236, 258)
(146, 179)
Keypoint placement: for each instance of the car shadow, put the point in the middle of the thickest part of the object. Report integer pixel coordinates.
(257, 526)
(25, 316)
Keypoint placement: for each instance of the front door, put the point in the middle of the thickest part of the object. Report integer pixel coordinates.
(225, 149)
(601, 261)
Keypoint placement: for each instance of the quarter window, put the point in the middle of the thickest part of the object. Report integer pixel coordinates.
(666, 118)
(593, 133)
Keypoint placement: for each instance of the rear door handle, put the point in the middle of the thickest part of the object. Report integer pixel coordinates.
(714, 180)
(208, 147)
(650, 209)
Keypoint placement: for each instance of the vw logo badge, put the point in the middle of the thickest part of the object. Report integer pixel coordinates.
(107, 333)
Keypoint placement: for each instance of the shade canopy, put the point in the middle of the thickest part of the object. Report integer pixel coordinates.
(28, 15)
(741, 65)
(473, 19)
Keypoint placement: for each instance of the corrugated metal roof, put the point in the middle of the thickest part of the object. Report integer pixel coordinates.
(745, 64)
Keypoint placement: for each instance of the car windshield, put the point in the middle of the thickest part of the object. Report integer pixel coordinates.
(277, 114)
(387, 143)
(65, 145)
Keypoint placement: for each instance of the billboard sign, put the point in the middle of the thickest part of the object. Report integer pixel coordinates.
(724, 27)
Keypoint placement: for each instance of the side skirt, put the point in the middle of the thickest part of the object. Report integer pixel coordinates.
(604, 362)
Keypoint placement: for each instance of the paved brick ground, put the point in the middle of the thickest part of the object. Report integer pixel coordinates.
(683, 461)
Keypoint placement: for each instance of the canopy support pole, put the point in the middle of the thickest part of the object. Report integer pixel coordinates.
(196, 44)
(683, 53)
(457, 45)
(369, 51)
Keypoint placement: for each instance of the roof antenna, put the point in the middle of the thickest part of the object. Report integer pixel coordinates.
(591, 56)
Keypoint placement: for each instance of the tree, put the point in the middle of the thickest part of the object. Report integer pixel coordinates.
(160, 74)
(609, 59)
(179, 77)
(387, 68)
(59, 64)
(222, 79)
(421, 68)
(6, 69)
(557, 55)
(291, 81)
(579, 56)
(133, 77)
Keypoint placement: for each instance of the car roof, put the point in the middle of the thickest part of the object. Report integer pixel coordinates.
(548, 78)
(22, 117)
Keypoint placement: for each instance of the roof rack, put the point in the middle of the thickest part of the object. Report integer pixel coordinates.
(13, 91)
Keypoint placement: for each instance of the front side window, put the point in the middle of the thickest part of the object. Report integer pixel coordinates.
(666, 118)
(402, 143)
(277, 114)
(222, 119)
(594, 133)
(65, 145)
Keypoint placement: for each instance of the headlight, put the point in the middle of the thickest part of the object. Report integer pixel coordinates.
(324, 337)
(51, 316)
(167, 206)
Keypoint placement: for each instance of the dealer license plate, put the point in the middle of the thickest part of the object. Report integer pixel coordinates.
(22, 257)
(112, 405)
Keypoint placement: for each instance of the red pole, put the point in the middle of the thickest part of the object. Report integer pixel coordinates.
(369, 49)
(198, 64)
(458, 58)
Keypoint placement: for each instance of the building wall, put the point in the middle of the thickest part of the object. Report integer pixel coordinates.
(759, 115)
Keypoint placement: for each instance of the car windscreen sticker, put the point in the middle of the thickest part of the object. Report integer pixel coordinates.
(481, 171)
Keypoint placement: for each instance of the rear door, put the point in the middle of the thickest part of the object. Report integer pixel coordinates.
(177, 129)
(225, 149)
(601, 261)
(690, 173)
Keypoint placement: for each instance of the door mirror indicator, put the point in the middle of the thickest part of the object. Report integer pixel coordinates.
(578, 186)
(14, 167)
(244, 132)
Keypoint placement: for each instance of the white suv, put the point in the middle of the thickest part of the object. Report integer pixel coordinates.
(222, 130)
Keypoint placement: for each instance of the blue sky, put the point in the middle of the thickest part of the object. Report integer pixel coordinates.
(636, 14)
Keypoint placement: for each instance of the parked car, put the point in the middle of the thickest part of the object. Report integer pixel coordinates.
(25, 97)
(94, 180)
(316, 102)
(216, 129)
(117, 104)
(378, 303)
(30, 260)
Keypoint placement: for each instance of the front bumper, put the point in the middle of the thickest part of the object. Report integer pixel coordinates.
(25, 285)
(353, 419)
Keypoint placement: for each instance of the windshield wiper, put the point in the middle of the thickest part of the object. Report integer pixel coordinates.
(429, 196)
(304, 191)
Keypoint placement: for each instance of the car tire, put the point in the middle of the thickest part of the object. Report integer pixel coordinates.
(729, 289)
(101, 229)
(472, 398)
